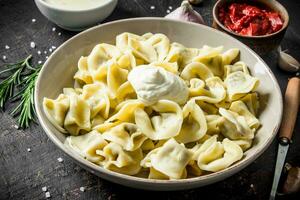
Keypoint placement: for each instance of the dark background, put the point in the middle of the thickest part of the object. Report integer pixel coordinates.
(23, 173)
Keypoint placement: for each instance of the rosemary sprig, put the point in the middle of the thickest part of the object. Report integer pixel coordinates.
(25, 111)
(8, 84)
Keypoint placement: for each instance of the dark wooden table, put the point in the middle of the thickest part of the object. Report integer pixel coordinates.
(23, 173)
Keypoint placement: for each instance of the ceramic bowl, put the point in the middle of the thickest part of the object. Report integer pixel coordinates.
(59, 69)
(76, 20)
(260, 44)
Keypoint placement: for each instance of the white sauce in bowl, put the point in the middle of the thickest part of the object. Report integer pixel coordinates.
(76, 4)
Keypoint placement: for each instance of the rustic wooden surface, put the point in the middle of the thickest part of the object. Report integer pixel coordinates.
(23, 173)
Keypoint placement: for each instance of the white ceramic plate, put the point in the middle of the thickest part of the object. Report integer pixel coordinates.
(59, 69)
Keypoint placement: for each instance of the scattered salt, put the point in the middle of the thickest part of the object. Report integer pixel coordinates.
(60, 159)
(297, 74)
(47, 194)
(53, 47)
(32, 44)
(39, 52)
(16, 126)
(4, 57)
(82, 189)
(170, 7)
(59, 33)
(152, 7)
(7, 47)
(39, 62)
(168, 11)
(251, 185)
(29, 150)
(33, 20)
(53, 29)
(50, 50)
(45, 52)
(47, 57)
(44, 189)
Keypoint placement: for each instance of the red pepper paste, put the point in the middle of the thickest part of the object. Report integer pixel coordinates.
(250, 20)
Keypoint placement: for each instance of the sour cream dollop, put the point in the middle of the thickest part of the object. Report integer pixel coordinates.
(153, 83)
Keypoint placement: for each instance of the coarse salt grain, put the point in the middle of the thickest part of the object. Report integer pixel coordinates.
(44, 189)
(82, 189)
(33, 20)
(152, 7)
(50, 50)
(39, 52)
(170, 7)
(59, 33)
(32, 44)
(168, 11)
(297, 74)
(60, 159)
(47, 194)
(47, 57)
(7, 47)
(29, 150)
(53, 29)
(39, 62)
(16, 126)
(45, 52)
(53, 47)
(4, 57)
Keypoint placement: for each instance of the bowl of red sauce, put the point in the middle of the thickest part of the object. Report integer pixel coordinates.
(260, 24)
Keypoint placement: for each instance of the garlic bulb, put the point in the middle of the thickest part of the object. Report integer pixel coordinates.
(186, 13)
(286, 62)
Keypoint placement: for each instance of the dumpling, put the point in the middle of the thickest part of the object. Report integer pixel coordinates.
(83, 75)
(194, 125)
(97, 98)
(87, 145)
(171, 67)
(240, 108)
(234, 126)
(238, 66)
(78, 116)
(252, 102)
(56, 110)
(195, 87)
(213, 123)
(125, 113)
(239, 84)
(229, 56)
(100, 54)
(171, 159)
(214, 156)
(212, 58)
(196, 70)
(161, 44)
(166, 124)
(119, 160)
(116, 77)
(127, 135)
(214, 93)
(139, 47)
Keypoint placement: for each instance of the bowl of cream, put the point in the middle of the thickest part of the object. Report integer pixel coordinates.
(76, 15)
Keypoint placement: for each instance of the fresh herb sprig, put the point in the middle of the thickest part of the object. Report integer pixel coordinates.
(20, 76)
(8, 84)
(25, 111)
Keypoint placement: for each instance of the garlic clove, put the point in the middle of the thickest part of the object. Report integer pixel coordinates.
(286, 62)
(186, 13)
